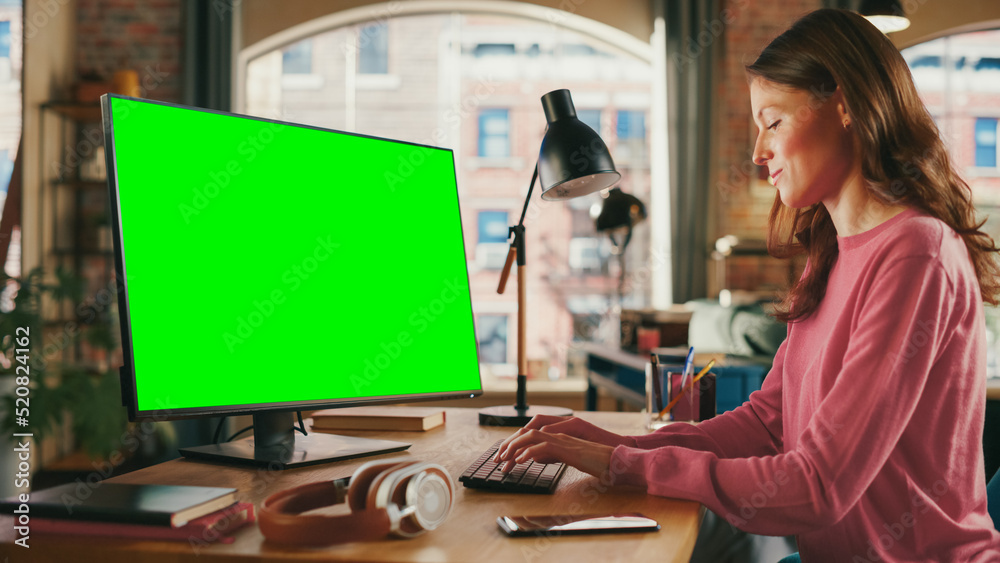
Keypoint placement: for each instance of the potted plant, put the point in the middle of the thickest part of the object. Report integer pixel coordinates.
(79, 396)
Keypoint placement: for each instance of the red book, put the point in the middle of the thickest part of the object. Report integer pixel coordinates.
(215, 527)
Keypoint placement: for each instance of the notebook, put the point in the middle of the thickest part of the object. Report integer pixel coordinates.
(163, 505)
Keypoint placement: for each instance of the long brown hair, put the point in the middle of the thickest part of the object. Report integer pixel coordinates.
(904, 161)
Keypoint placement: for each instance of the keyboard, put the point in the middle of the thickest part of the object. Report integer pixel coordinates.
(527, 477)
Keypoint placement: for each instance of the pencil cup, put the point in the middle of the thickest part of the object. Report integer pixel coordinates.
(695, 403)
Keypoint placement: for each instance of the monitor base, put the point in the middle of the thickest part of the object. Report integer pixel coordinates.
(304, 450)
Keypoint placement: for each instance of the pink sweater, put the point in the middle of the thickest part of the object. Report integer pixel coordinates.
(866, 438)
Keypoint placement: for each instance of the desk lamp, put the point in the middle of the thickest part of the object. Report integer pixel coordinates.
(620, 213)
(573, 161)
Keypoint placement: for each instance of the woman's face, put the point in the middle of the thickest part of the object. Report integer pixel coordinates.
(803, 141)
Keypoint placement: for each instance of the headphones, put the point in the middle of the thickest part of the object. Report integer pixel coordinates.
(401, 497)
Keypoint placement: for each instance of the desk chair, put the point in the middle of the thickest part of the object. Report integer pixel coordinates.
(992, 505)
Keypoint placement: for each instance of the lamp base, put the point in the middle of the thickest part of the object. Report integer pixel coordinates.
(513, 416)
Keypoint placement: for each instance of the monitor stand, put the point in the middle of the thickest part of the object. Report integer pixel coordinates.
(274, 445)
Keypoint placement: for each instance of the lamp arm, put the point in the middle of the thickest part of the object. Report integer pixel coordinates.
(527, 200)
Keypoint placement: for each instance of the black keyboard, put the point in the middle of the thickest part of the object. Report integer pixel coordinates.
(527, 477)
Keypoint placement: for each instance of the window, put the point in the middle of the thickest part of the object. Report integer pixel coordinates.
(472, 83)
(493, 227)
(492, 246)
(631, 125)
(494, 50)
(585, 255)
(986, 142)
(6, 169)
(631, 132)
(926, 61)
(592, 117)
(297, 58)
(5, 39)
(494, 133)
(491, 333)
(373, 49)
(969, 128)
(988, 63)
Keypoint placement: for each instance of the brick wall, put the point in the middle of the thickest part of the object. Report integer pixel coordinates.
(140, 35)
(741, 197)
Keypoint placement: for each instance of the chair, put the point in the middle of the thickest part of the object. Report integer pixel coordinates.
(992, 506)
(993, 499)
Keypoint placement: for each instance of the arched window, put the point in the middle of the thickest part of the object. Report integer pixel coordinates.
(472, 81)
(958, 77)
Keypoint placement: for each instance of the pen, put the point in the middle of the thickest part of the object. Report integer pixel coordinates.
(673, 402)
(688, 366)
(657, 386)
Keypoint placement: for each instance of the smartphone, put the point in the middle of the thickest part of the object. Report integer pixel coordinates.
(559, 524)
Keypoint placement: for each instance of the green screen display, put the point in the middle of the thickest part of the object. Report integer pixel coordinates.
(268, 264)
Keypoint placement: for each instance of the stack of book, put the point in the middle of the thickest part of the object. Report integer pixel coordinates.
(198, 515)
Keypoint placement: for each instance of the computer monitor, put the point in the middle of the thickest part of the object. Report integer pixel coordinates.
(268, 267)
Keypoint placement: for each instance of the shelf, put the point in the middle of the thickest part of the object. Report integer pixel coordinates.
(82, 112)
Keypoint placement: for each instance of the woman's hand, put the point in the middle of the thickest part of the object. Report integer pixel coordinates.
(572, 441)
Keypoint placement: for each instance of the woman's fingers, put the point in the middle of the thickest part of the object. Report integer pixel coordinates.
(537, 422)
(545, 447)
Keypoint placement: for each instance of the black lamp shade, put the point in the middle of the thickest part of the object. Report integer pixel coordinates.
(573, 160)
(620, 210)
(881, 8)
(887, 15)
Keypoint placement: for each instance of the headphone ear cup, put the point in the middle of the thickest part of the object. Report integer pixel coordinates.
(420, 493)
(432, 493)
(364, 479)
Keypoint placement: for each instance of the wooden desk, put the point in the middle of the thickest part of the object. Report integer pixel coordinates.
(470, 533)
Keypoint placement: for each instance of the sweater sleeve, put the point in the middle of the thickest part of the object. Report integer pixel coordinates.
(753, 429)
(850, 434)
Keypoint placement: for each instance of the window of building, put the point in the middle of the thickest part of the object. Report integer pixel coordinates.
(631, 124)
(491, 333)
(493, 227)
(988, 63)
(492, 245)
(585, 255)
(494, 133)
(986, 142)
(494, 50)
(6, 169)
(5, 39)
(592, 117)
(373, 49)
(928, 61)
(297, 58)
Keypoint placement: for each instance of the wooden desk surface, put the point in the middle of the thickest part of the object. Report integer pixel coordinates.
(469, 534)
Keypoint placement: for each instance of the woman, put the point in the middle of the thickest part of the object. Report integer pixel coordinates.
(866, 438)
